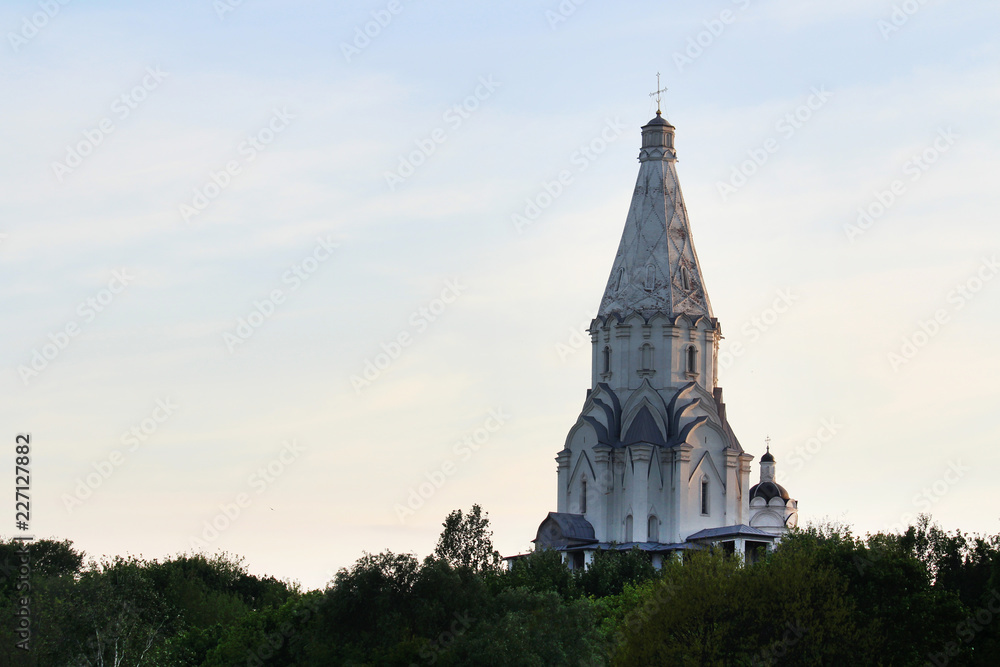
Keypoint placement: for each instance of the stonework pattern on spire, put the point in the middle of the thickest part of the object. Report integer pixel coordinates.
(656, 268)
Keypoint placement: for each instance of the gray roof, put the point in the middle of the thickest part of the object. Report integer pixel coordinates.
(740, 530)
(644, 429)
(564, 529)
(574, 526)
(658, 119)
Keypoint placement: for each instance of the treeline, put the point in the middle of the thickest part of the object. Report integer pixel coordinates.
(823, 597)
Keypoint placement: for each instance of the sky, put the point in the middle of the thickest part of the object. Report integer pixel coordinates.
(293, 280)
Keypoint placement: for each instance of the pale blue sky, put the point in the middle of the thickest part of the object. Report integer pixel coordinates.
(345, 124)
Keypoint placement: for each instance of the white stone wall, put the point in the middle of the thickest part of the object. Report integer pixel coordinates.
(668, 339)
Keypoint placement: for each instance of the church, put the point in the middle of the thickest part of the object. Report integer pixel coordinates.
(652, 461)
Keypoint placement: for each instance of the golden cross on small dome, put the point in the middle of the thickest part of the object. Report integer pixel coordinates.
(657, 93)
(767, 441)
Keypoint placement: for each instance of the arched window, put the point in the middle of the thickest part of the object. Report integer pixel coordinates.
(704, 496)
(607, 359)
(650, 277)
(583, 496)
(685, 278)
(654, 529)
(620, 280)
(628, 528)
(646, 356)
(692, 360)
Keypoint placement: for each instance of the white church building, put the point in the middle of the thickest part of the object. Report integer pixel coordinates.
(652, 461)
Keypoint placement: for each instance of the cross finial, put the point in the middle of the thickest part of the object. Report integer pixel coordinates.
(657, 93)
(767, 441)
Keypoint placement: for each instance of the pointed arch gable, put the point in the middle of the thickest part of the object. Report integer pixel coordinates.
(634, 318)
(584, 422)
(583, 465)
(702, 323)
(644, 416)
(604, 395)
(644, 429)
(706, 465)
(683, 319)
(715, 428)
(655, 472)
(659, 317)
(601, 411)
(645, 396)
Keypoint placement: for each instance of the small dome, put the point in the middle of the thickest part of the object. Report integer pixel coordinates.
(659, 120)
(768, 490)
(767, 458)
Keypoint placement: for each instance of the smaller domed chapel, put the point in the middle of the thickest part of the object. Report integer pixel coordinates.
(652, 461)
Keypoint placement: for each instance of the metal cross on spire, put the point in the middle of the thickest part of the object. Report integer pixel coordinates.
(767, 441)
(658, 93)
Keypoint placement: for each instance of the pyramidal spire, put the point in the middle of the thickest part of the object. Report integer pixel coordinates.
(656, 268)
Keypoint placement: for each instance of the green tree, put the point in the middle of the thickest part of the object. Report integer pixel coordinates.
(541, 571)
(55, 566)
(467, 541)
(611, 570)
(712, 610)
(268, 636)
(367, 611)
(530, 628)
(119, 617)
(891, 589)
(49, 558)
(209, 595)
(969, 567)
